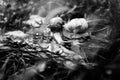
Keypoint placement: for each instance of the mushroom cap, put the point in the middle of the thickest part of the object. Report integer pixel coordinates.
(16, 34)
(56, 20)
(76, 24)
(35, 20)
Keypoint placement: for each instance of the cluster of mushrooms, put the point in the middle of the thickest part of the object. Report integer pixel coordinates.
(64, 37)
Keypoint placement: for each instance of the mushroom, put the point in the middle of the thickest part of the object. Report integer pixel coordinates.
(56, 26)
(35, 21)
(56, 20)
(76, 25)
(16, 34)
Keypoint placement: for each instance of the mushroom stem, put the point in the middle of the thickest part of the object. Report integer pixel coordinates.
(58, 38)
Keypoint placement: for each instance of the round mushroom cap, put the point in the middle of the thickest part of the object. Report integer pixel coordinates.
(56, 20)
(76, 24)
